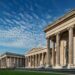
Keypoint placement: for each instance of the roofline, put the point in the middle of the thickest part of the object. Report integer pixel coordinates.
(68, 14)
(10, 53)
(33, 48)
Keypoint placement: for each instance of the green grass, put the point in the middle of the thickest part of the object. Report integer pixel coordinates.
(12, 72)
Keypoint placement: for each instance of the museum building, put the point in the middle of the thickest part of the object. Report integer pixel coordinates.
(12, 60)
(61, 35)
(59, 51)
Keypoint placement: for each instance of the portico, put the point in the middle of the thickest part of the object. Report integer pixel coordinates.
(60, 45)
(36, 58)
(62, 35)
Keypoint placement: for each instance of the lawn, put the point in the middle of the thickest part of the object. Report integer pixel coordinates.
(12, 72)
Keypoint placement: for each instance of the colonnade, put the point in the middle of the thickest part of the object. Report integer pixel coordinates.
(10, 62)
(56, 57)
(36, 60)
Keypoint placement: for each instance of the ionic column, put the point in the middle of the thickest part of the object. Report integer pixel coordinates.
(53, 54)
(14, 62)
(1, 62)
(57, 49)
(42, 59)
(39, 59)
(6, 63)
(26, 61)
(30, 61)
(36, 60)
(10, 61)
(71, 46)
(48, 53)
(17, 62)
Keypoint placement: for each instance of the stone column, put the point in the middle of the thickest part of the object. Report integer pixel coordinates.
(17, 62)
(48, 53)
(27, 61)
(34, 60)
(57, 49)
(6, 63)
(1, 62)
(70, 46)
(30, 61)
(14, 61)
(53, 53)
(38, 59)
(10, 62)
(42, 59)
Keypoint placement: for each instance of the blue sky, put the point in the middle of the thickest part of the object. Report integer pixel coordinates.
(22, 22)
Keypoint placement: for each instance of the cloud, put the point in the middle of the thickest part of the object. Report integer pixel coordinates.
(48, 16)
(35, 16)
(21, 29)
(19, 39)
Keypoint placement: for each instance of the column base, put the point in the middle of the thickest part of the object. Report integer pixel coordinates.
(70, 66)
(48, 66)
(57, 67)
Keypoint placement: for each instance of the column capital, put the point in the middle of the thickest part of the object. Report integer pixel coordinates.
(57, 33)
(48, 38)
(70, 27)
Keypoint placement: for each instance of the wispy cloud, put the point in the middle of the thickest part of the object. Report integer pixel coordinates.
(22, 27)
(20, 39)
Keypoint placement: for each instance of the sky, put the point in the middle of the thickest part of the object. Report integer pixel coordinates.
(22, 22)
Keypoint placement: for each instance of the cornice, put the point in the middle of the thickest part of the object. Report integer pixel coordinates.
(66, 16)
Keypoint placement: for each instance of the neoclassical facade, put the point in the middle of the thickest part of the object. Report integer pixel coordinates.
(62, 35)
(60, 48)
(59, 51)
(36, 58)
(12, 60)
